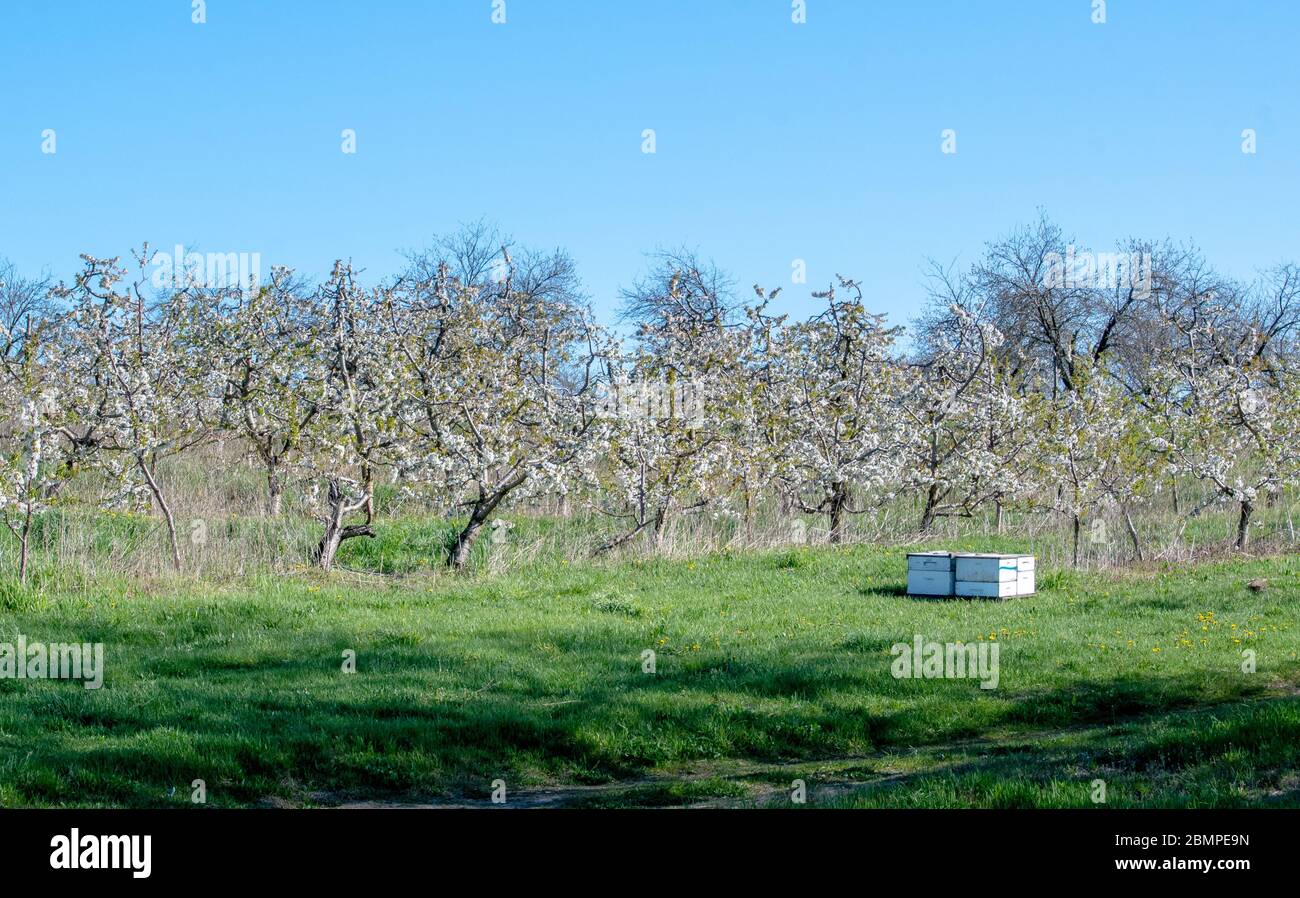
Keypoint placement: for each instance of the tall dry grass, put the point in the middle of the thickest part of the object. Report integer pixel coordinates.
(218, 497)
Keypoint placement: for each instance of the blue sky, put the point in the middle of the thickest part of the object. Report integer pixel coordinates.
(775, 141)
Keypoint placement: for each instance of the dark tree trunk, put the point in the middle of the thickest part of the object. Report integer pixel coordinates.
(1077, 525)
(466, 538)
(660, 527)
(839, 501)
(927, 513)
(1243, 523)
(478, 516)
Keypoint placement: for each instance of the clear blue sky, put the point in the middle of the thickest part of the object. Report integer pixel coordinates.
(775, 141)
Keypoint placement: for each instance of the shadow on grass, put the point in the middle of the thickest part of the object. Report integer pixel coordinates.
(1242, 754)
(448, 717)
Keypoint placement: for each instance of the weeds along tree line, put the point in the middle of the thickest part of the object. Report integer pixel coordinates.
(1040, 379)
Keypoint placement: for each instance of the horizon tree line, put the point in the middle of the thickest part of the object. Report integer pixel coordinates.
(479, 379)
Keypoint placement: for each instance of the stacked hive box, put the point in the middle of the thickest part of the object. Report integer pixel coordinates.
(929, 574)
(1025, 569)
(993, 576)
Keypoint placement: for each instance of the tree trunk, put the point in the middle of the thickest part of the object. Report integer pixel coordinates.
(166, 510)
(329, 544)
(465, 539)
(1174, 484)
(478, 516)
(1075, 540)
(274, 492)
(336, 531)
(839, 500)
(1243, 523)
(660, 527)
(1133, 535)
(927, 513)
(997, 516)
(22, 545)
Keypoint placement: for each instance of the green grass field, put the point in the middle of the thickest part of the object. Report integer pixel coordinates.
(770, 667)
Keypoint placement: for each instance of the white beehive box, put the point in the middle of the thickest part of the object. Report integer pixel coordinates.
(929, 574)
(993, 575)
(1026, 575)
(986, 588)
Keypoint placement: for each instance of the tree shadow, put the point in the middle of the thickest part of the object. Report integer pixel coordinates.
(450, 715)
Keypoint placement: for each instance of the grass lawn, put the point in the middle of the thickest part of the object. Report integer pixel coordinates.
(770, 667)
